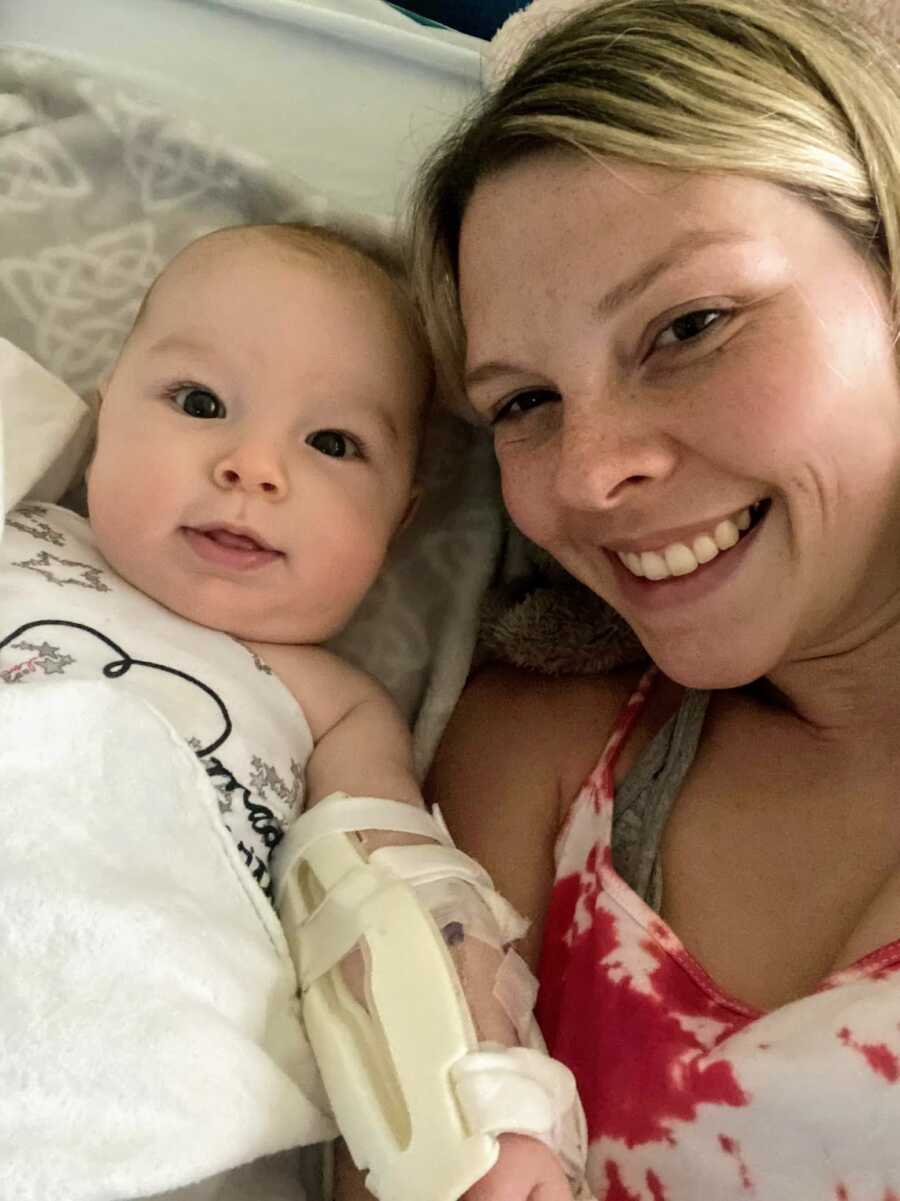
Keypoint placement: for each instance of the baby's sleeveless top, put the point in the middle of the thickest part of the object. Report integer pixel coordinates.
(690, 1094)
(65, 614)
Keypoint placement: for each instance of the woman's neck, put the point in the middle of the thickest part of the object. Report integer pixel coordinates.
(850, 686)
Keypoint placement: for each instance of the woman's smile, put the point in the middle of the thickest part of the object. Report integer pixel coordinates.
(644, 595)
(676, 557)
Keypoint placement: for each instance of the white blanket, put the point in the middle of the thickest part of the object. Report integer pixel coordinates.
(149, 1037)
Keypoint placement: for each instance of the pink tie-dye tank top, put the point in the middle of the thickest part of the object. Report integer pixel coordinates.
(691, 1095)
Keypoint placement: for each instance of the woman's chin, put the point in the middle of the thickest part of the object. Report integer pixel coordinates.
(708, 663)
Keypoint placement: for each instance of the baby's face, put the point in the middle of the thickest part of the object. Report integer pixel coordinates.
(257, 440)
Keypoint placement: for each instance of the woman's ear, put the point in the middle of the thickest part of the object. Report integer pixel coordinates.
(100, 392)
(412, 507)
(95, 402)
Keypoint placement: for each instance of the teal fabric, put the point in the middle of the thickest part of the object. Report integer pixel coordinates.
(418, 17)
(482, 18)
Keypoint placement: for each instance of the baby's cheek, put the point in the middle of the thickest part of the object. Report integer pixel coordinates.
(118, 514)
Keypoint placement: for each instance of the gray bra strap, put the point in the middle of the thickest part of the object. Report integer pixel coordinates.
(645, 796)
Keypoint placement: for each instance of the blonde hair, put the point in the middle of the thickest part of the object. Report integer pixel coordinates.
(789, 92)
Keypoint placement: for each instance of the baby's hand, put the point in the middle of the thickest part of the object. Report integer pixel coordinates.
(526, 1170)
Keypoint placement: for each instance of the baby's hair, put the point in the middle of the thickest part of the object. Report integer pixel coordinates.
(379, 258)
(338, 242)
(788, 91)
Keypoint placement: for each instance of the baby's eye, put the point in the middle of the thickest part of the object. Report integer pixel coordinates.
(334, 444)
(522, 403)
(198, 402)
(689, 326)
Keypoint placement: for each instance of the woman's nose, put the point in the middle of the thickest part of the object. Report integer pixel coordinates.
(252, 468)
(602, 462)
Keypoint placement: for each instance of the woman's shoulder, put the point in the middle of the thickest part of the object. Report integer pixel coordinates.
(512, 722)
(515, 754)
(534, 705)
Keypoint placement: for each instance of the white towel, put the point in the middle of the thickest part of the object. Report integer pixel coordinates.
(149, 1038)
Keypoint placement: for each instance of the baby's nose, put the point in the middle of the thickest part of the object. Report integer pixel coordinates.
(252, 470)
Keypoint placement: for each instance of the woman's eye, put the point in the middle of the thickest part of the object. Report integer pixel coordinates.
(334, 444)
(522, 403)
(689, 326)
(198, 402)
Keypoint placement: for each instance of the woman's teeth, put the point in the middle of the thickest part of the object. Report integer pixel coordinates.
(681, 559)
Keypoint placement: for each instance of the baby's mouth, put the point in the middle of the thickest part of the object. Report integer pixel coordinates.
(235, 541)
(682, 558)
(235, 538)
(231, 547)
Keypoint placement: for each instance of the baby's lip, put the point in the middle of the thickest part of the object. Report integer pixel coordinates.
(238, 533)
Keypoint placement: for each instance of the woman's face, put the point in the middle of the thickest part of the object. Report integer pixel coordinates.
(694, 374)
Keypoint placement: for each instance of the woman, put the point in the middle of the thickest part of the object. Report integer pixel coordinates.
(662, 263)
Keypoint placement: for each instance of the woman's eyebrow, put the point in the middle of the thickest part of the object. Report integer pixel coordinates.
(629, 289)
(485, 372)
(674, 254)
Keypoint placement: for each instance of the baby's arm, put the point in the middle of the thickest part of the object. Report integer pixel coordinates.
(362, 744)
(363, 747)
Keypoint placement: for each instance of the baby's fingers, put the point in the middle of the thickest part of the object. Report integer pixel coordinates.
(525, 1170)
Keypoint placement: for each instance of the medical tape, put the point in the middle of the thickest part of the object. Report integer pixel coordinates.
(417, 864)
(461, 916)
(346, 914)
(431, 861)
(423, 865)
(515, 991)
(339, 813)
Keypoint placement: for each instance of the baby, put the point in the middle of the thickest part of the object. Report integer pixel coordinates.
(257, 450)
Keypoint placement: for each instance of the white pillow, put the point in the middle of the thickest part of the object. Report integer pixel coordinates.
(45, 430)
